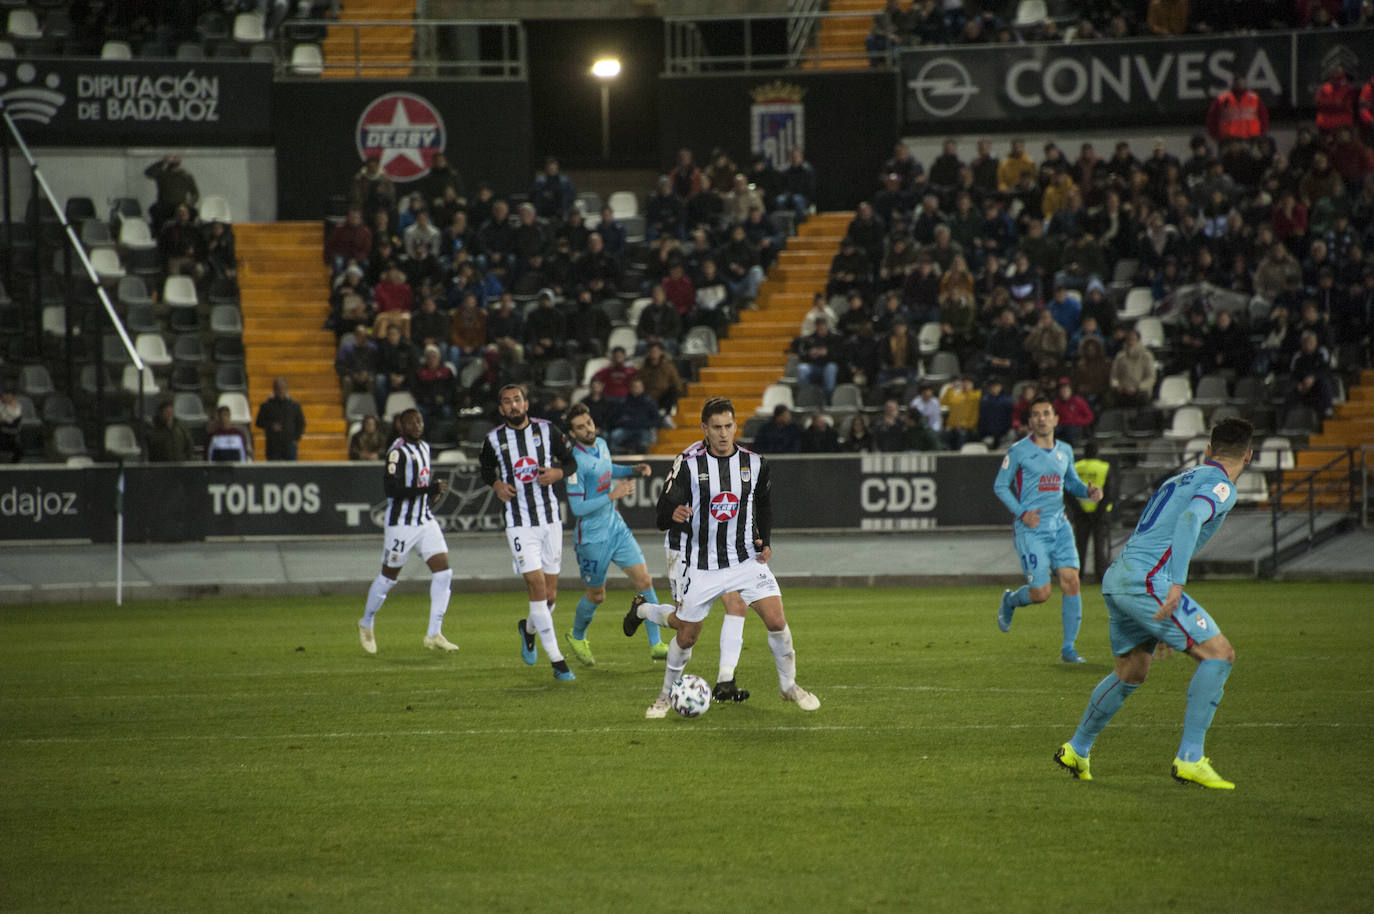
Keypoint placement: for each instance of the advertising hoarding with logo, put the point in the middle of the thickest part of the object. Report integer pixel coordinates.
(92, 102)
(1118, 83)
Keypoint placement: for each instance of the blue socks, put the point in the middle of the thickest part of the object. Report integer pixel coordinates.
(650, 628)
(1111, 693)
(1204, 694)
(583, 617)
(1020, 597)
(1072, 613)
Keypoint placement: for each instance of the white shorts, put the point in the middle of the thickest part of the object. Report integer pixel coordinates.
(699, 589)
(536, 548)
(427, 539)
(674, 571)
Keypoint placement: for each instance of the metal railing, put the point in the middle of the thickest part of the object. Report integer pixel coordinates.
(752, 41)
(1340, 485)
(466, 48)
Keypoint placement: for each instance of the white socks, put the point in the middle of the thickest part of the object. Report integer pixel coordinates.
(541, 621)
(376, 596)
(438, 599)
(780, 643)
(656, 612)
(731, 643)
(677, 661)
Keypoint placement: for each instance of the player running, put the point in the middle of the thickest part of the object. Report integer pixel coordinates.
(410, 525)
(1185, 512)
(719, 498)
(1031, 483)
(601, 535)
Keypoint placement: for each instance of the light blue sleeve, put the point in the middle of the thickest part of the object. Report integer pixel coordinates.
(1186, 539)
(1002, 485)
(1072, 483)
(621, 470)
(579, 501)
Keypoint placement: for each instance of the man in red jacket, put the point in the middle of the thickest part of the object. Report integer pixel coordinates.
(1336, 101)
(1072, 413)
(1237, 114)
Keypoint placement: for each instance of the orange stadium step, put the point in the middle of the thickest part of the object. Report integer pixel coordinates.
(284, 289)
(370, 51)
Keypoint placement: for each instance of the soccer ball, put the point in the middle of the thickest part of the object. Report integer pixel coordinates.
(690, 696)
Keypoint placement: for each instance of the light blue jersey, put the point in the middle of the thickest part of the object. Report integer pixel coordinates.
(1185, 512)
(601, 536)
(1034, 478)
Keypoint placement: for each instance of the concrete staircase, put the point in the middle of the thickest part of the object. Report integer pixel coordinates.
(1351, 426)
(844, 36)
(755, 353)
(284, 289)
(372, 52)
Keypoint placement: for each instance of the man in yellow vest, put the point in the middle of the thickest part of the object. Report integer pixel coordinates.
(1090, 518)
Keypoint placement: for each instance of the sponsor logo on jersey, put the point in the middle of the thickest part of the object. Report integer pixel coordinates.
(1050, 482)
(724, 506)
(604, 483)
(526, 470)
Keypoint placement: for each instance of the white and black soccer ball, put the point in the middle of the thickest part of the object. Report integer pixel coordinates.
(690, 696)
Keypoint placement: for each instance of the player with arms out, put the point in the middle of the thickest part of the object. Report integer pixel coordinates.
(1143, 590)
(601, 535)
(410, 525)
(1031, 483)
(521, 460)
(719, 498)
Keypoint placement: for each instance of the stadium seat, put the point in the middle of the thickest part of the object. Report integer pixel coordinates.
(1211, 390)
(152, 350)
(96, 234)
(215, 208)
(88, 383)
(185, 377)
(635, 229)
(1226, 411)
(973, 447)
(54, 320)
(129, 382)
(107, 266)
(35, 382)
(1299, 422)
(700, 341)
(1174, 391)
(7, 51)
(113, 351)
(132, 291)
(928, 338)
(625, 338)
(121, 443)
(624, 204)
(1249, 391)
(359, 406)
(22, 25)
(785, 221)
(183, 320)
(237, 401)
(68, 442)
(636, 309)
(231, 377)
(944, 366)
(263, 52)
(227, 349)
(249, 28)
(450, 457)
(1161, 454)
(179, 292)
(144, 262)
(847, 398)
(1195, 450)
(808, 397)
(189, 410)
(116, 50)
(134, 235)
(188, 348)
(616, 311)
(560, 373)
(1111, 424)
(774, 394)
(470, 373)
(78, 210)
(397, 402)
(222, 291)
(1187, 423)
(58, 409)
(226, 320)
(1030, 13)
(307, 60)
(1146, 423)
(592, 367)
(1140, 302)
(1151, 330)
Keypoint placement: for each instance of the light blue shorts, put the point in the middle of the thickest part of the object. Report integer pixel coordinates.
(594, 559)
(1132, 623)
(1042, 550)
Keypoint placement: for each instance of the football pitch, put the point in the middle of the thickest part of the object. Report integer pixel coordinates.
(245, 755)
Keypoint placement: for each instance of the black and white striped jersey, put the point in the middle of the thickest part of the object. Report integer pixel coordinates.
(673, 538)
(731, 506)
(516, 456)
(407, 483)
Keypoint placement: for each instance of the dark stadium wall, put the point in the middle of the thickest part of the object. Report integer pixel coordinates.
(485, 134)
(850, 124)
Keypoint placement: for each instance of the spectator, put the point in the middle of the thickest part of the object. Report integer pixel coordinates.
(1133, 373)
(869, 233)
(225, 441)
(740, 267)
(780, 436)
(422, 246)
(506, 329)
(984, 167)
(546, 330)
(1365, 111)
(552, 194)
(636, 420)
(217, 240)
(442, 185)
(393, 300)
(434, 383)
(1322, 182)
(899, 355)
(1237, 114)
(496, 237)
(1310, 376)
(1046, 343)
(927, 407)
(679, 290)
(994, 412)
(531, 243)
(1092, 371)
(368, 442)
(351, 301)
(1074, 415)
(740, 199)
(616, 377)
(888, 25)
(685, 176)
(175, 187)
(1020, 409)
(372, 190)
(659, 321)
(798, 185)
(1012, 169)
(719, 176)
(181, 244)
(760, 233)
(1004, 353)
(916, 435)
(281, 418)
(944, 171)
(1336, 100)
(959, 402)
(661, 379)
(859, 438)
(664, 213)
(819, 355)
(863, 355)
(819, 436)
(712, 299)
(904, 164)
(889, 432)
(396, 364)
(1227, 347)
(167, 440)
(11, 418)
(356, 362)
(430, 325)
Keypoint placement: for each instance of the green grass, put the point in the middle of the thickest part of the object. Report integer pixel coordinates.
(244, 755)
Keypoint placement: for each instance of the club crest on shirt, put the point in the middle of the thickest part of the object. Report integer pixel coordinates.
(744, 474)
(1222, 491)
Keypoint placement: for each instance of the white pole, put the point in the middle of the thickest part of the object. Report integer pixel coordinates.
(119, 538)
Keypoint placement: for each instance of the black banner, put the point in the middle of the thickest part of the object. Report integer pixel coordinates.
(92, 102)
(1119, 83)
(189, 502)
(325, 130)
(843, 118)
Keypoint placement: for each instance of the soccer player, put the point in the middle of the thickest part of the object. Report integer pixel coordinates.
(1031, 483)
(719, 498)
(410, 525)
(1143, 590)
(521, 460)
(601, 535)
